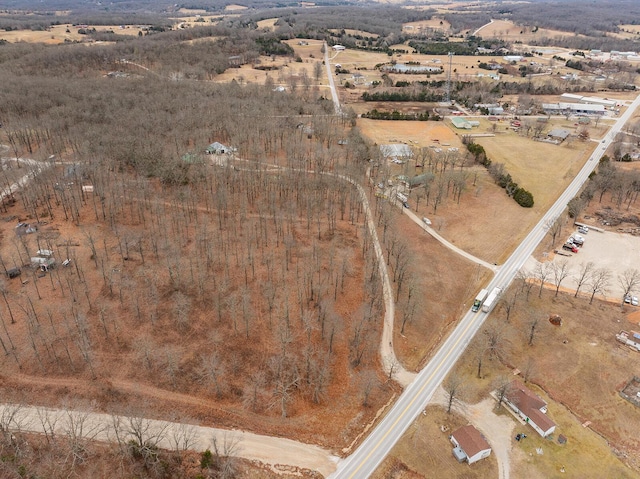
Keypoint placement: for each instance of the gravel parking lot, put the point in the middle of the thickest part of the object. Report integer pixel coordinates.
(613, 251)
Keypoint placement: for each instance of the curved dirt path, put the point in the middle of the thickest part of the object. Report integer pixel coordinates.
(451, 246)
(498, 430)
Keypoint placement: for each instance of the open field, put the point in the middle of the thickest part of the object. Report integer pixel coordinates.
(506, 30)
(284, 71)
(58, 34)
(415, 133)
(268, 23)
(426, 25)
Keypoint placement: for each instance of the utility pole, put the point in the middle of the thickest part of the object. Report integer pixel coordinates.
(449, 78)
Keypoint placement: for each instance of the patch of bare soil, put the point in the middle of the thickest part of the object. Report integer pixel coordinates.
(198, 302)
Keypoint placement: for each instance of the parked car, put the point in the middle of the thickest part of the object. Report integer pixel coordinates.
(576, 240)
(571, 247)
(426, 221)
(633, 300)
(583, 229)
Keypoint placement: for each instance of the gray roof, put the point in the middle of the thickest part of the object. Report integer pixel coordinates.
(396, 150)
(559, 133)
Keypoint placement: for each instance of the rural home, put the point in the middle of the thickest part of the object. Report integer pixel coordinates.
(529, 407)
(402, 68)
(218, 149)
(469, 444)
(559, 134)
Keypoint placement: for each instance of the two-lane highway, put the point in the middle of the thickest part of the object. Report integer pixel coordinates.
(364, 461)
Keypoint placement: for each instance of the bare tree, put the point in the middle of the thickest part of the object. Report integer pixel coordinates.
(554, 228)
(542, 272)
(628, 280)
(502, 388)
(532, 326)
(584, 276)
(79, 431)
(182, 436)
(560, 272)
(509, 303)
(529, 369)
(525, 284)
(599, 282)
(454, 389)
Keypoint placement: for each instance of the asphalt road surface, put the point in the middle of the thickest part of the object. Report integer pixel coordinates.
(365, 460)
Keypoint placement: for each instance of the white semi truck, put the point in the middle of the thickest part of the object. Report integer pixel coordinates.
(491, 300)
(482, 295)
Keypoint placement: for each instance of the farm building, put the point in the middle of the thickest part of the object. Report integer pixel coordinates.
(402, 68)
(396, 151)
(530, 407)
(461, 123)
(572, 108)
(592, 100)
(470, 445)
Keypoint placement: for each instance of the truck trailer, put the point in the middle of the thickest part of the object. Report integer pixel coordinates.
(482, 295)
(491, 300)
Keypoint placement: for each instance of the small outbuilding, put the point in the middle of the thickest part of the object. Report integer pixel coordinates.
(469, 444)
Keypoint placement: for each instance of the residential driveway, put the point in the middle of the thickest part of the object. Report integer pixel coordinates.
(613, 251)
(498, 430)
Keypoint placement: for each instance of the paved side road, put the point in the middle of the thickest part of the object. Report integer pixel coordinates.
(279, 453)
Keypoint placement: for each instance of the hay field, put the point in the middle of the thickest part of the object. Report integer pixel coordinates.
(509, 31)
(269, 24)
(422, 25)
(542, 168)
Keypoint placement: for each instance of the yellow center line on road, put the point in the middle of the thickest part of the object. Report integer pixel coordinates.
(415, 397)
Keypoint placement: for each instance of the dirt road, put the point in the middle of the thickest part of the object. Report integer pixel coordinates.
(278, 453)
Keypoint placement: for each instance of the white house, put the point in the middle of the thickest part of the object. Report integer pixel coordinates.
(530, 407)
(469, 444)
(217, 148)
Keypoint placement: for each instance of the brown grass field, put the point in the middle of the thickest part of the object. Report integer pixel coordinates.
(58, 34)
(509, 31)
